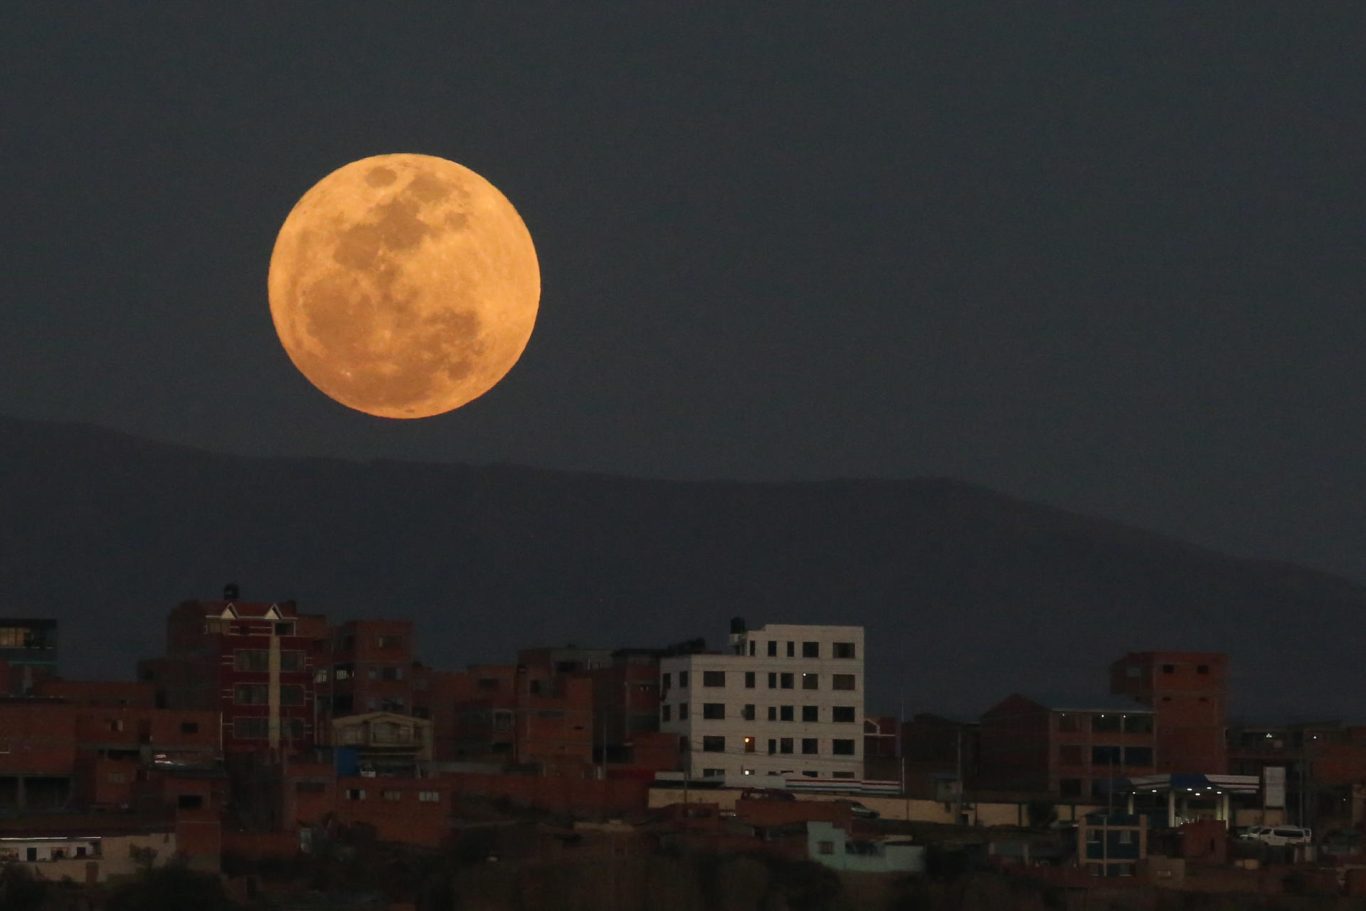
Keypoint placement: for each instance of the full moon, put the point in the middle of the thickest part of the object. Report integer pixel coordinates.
(404, 286)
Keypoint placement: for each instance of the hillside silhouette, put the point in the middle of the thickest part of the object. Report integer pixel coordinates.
(967, 594)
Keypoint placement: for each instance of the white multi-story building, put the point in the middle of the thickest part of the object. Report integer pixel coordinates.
(785, 700)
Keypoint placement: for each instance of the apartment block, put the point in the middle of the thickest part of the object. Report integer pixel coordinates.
(1188, 691)
(1072, 748)
(28, 653)
(253, 662)
(783, 700)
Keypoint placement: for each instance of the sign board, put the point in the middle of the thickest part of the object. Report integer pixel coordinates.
(1273, 786)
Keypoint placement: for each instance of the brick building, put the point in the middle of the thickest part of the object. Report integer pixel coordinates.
(1068, 748)
(372, 668)
(526, 716)
(252, 662)
(28, 653)
(1188, 691)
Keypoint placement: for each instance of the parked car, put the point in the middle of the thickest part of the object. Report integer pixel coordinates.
(1280, 835)
(860, 810)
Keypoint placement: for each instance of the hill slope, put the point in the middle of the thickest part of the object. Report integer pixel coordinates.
(967, 594)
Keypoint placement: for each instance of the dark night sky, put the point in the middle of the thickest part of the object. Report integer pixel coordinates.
(1102, 255)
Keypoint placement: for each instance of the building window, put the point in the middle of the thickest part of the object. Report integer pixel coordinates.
(1069, 787)
(811, 713)
(772, 680)
(189, 727)
(842, 747)
(825, 847)
(1107, 723)
(355, 793)
(791, 649)
(841, 774)
(1105, 755)
(713, 678)
(772, 713)
(250, 694)
(683, 680)
(1138, 724)
(785, 745)
(1169, 668)
(811, 681)
(785, 713)
(713, 744)
(389, 642)
(249, 728)
(291, 660)
(747, 712)
(666, 712)
(682, 711)
(309, 787)
(842, 681)
(284, 629)
(843, 714)
(1138, 756)
(749, 744)
(1069, 723)
(391, 795)
(751, 648)
(844, 650)
(714, 711)
(713, 773)
(786, 680)
(749, 680)
(429, 796)
(772, 746)
(773, 648)
(391, 673)
(811, 649)
(809, 746)
(291, 695)
(1070, 754)
(251, 659)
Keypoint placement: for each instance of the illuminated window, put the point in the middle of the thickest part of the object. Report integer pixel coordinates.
(749, 744)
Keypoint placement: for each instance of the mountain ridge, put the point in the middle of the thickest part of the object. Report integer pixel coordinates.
(968, 594)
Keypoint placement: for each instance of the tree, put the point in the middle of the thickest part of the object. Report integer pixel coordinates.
(174, 887)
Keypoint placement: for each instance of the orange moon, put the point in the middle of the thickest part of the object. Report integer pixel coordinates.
(404, 286)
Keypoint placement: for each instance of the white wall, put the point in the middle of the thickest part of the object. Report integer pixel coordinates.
(777, 694)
